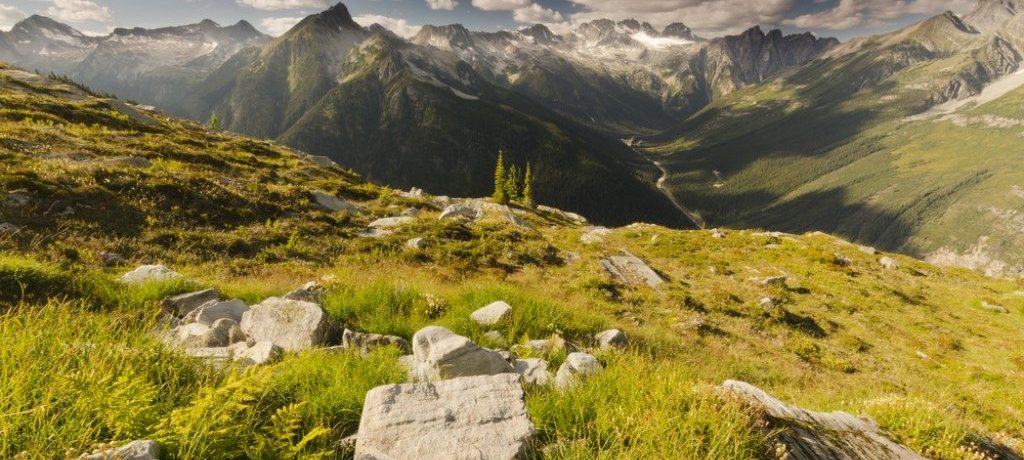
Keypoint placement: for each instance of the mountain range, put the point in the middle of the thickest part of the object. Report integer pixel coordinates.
(902, 140)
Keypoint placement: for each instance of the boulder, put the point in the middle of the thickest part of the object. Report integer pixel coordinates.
(577, 366)
(809, 435)
(533, 371)
(290, 324)
(309, 292)
(135, 450)
(889, 263)
(365, 342)
(147, 273)
(631, 271)
(418, 244)
(612, 338)
(392, 222)
(332, 203)
(491, 314)
(212, 311)
(441, 354)
(461, 211)
(183, 304)
(481, 417)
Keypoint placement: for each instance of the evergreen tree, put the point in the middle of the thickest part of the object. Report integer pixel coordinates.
(513, 189)
(214, 122)
(528, 200)
(500, 178)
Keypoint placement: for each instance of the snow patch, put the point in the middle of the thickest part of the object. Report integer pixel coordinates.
(659, 42)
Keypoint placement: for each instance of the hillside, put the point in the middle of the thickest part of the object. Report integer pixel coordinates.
(866, 143)
(94, 187)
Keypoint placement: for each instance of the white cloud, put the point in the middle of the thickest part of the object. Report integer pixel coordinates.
(78, 11)
(9, 15)
(278, 26)
(849, 14)
(535, 13)
(271, 5)
(442, 4)
(500, 5)
(707, 17)
(399, 26)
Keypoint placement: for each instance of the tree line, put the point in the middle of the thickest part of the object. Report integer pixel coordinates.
(509, 187)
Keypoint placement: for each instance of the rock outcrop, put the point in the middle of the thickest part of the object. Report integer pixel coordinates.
(816, 435)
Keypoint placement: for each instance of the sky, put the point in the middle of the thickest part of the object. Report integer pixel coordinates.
(709, 18)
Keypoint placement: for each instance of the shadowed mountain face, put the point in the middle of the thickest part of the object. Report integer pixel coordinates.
(900, 140)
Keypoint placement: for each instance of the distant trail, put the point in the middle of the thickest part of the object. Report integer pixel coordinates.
(696, 219)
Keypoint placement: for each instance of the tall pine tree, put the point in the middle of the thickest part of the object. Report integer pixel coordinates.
(527, 198)
(214, 122)
(513, 189)
(500, 180)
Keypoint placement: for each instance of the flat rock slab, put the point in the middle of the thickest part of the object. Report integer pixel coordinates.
(493, 313)
(135, 450)
(332, 203)
(631, 270)
(818, 435)
(147, 273)
(482, 417)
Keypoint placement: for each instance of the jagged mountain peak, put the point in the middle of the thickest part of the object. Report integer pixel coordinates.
(679, 30)
(447, 36)
(990, 15)
(540, 34)
(335, 17)
(36, 22)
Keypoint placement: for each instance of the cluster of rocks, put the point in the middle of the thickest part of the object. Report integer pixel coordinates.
(466, 401)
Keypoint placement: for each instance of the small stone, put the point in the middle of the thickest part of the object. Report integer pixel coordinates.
(594, 235)
(612, 338)
(7, 227)
(994, 308)
(493, 313)
(111, 259)
(366, 342)
(332, 203)
(135, 450)
(495, 336)
(768, 303)
(577, 366)
(889, 263)
(717, 234)
(533, 371)
(417, 244)
(775, 281)
(259, 353)
(309, 292)
(842, 260)
(17, 200)
(148, 273)
(867, 250)
(441, 354)
(392, 222)
(459, 211)
(183, 304)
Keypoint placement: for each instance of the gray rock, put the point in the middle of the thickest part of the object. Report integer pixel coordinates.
(842, 260)
(322, 161)
(309, 292)
(7, 227)
(222, 333)
(482, 417)
(412, 193)
(290, 324)
(259, 353)
(594, 235)
(214, 310)
(17, 200)
(867, 250)
(889, 263)
(768, 303)
(418, 244)
(332, 203)
(365, 342)
(392, 222)
(577, 366)
(631, 271)
(491, 314)
(717, 234)
(994, 307)
(183, 304)
(533, 371)
(135, 450)
(495, 337)
(775, 281)
(461, 211)
(375, 233)
(564, 214)
(441, 354)
(111, 259)
(811, 435)
(147, 273)
(612, 338)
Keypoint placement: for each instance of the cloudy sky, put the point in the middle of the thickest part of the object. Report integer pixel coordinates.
(840, 18)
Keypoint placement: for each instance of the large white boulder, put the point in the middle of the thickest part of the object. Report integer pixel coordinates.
(577, 366)
(441, 354)
(290, 324)
(210, 312)
(492, 313)
(481, 417)
(461, 211)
